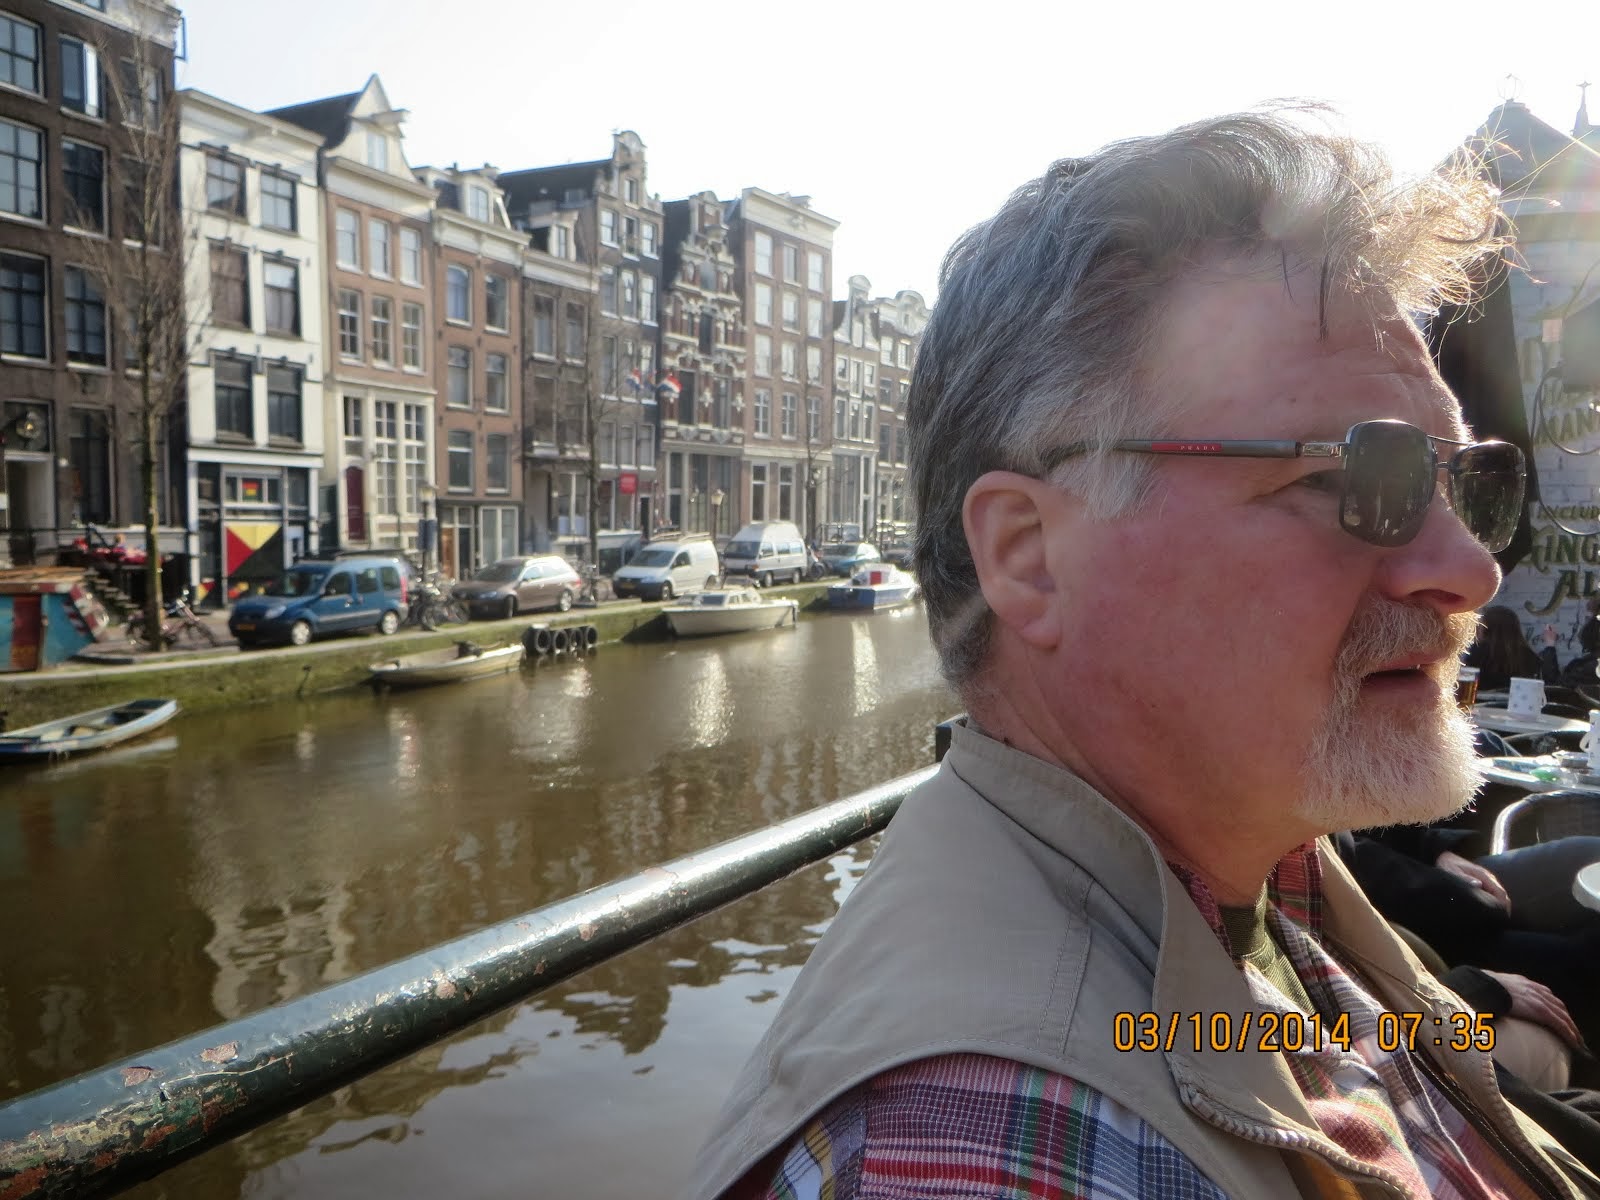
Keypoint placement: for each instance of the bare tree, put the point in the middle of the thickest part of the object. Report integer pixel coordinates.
(610, 372)
(142, 273)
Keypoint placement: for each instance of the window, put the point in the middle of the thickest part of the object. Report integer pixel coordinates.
(647, 445)
(81, 89)
(231, 378)
(283, 403)
(496, 309)
(460, 377)
(791, 310)
(224, 184)
(838, 416)
(608, 442)
(350, 324)
(460, 447)
(905, 354)
(841, 370)
(411, 336)
(763, 254)
(814, 311)
(495, 396)
(560, 241)
(478, 203)
(758, 491)
(608, 290)
(278, 201)
(382, 330)
(230, 284)
(649, 234)
(354, 446)
(626, 440)
(141, 93)
(788, 361)
(763, 354)
(647, 298)
(544, 326)
(458, 294)
(630, 190)
(871, 376)
(813, 364)
(410, 256)
(763, 304)
(573, 349)
(814, 261)
(19, 54)
(281, 286)
(89, 440)
(83, 170)
(630, 294)
(497, 462)
(21, 170)
(22, 306)
(86, 318)
(379, 258)
(630, 235)
(416, 450)
(377, 150)
(385, 456)
(347, 239)
(608, 227)
(791, 264)
(608, 366)
(813, 418)
(787, 414)
(763, 412)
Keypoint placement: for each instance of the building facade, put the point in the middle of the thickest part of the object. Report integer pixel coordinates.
(851, 497)
(82, 86)
(702, 391)
(379, 383)
(477, 304)
(897, 323)
(783, 249)
(255, 378)
(616, 227)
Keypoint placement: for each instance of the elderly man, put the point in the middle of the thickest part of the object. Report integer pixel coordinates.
(1202, 535)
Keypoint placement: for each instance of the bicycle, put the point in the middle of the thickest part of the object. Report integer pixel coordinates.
(430, 607)
(181, 623)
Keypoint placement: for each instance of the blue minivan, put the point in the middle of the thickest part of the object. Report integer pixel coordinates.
(314, 598)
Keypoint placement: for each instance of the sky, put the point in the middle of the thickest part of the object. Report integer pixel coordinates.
(908, 122)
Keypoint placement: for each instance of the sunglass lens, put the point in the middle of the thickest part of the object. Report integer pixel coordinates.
(1486, 490)
(1388, 482)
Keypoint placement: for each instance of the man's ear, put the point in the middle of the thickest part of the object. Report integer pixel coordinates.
(1006, 517)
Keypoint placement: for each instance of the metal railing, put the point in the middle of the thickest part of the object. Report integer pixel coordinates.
(110, 1128)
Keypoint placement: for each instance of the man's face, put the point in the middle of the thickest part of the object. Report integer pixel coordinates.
(1228, 639)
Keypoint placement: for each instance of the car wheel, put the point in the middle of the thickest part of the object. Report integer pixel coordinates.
(389, 622)
(666, 591)
(564, 601)
(711, 582)
(764, 579)
(300, 633)
(509, 609)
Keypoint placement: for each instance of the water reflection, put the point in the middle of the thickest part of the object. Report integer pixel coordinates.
(276, 850)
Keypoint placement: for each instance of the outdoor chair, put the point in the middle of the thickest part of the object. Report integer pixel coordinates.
(1556, 693)
(1574, 711)
(1545, 817)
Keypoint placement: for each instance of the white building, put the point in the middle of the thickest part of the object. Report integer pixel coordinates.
(255, 381)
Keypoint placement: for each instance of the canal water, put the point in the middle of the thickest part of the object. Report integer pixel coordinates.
(246, 858)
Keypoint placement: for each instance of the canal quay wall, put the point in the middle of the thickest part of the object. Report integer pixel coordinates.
(207, 680)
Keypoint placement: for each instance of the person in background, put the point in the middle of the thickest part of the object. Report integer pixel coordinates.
(1501, 653)
(1181, 371)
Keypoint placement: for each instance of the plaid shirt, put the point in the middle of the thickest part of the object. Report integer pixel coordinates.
(986, 1128)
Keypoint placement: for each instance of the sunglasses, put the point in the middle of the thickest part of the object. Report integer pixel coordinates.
(1390, 470)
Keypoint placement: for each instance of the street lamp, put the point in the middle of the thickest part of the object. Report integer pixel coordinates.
(717, 497)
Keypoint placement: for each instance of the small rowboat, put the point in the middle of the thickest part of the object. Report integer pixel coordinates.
(92, 730)
(465, 660)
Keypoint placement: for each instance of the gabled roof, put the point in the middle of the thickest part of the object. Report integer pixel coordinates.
(1519, 146)
(328, 118)
(549, 183)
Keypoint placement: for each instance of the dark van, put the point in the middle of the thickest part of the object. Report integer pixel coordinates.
(314, 598)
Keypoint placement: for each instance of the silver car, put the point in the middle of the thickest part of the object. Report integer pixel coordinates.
(511, 585)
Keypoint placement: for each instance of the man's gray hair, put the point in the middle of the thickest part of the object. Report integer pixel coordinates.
(1046, 312)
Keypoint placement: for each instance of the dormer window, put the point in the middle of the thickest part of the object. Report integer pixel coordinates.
(478, 203)
(377, 151)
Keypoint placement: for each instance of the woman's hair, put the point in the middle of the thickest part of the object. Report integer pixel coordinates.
(1503, 649)
(1047, 311)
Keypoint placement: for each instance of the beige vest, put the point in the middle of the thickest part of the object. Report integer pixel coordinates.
(1012, 911)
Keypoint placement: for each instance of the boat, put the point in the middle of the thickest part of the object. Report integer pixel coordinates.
(729, 610)
(464, 660)
(93, 730)
(874, 586)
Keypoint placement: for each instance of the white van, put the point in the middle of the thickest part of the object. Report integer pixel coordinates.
(664, 569)
(768, 552)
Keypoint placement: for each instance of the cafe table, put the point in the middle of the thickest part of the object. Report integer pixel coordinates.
(1586, 887)
(1498, 719)
(1537, 773)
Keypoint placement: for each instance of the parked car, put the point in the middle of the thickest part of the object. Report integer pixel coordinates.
(767, 551)
(668, 568)
(509, 585)
(317, 597)
(898, 554)
(842, 558)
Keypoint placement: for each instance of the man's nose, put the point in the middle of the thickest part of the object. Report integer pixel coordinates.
(1444, 566)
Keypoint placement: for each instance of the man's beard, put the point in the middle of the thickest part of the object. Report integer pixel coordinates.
(1368, 769)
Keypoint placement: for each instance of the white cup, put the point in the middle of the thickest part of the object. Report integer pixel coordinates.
(1591, 741)
(1527, 698)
